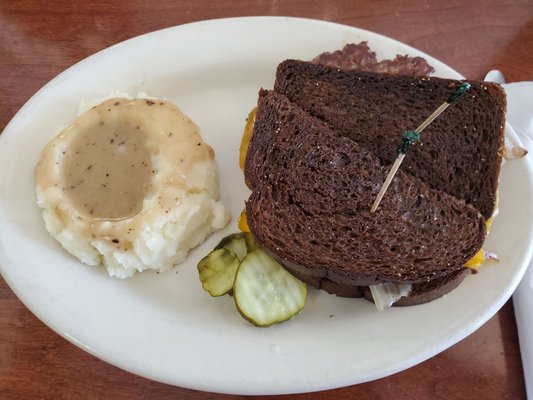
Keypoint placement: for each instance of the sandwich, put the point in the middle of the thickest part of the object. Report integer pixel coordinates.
(322, 144)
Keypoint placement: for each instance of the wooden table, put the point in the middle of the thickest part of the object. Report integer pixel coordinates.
(38, 40)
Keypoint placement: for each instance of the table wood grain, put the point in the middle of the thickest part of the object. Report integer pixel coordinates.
(39, 39)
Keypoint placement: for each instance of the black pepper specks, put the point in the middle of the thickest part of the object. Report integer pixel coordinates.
(149, 103)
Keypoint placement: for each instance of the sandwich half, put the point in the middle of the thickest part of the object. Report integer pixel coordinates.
(459, 153)
(315, 164)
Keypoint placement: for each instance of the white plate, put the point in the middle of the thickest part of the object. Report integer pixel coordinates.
(163, 326)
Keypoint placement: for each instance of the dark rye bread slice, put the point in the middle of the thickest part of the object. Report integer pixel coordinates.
(374, 109)
(311, 194)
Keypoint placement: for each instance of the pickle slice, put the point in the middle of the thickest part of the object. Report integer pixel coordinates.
(236, 243)
(264, 292)
(217, 271)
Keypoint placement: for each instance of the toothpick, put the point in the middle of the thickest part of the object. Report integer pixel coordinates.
(411, 137)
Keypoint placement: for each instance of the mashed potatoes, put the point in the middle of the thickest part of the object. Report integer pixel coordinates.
(130, 185)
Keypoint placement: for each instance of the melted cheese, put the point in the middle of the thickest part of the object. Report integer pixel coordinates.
(242, 223)
(246, 137)
(480, 257)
